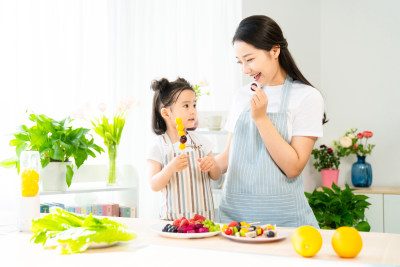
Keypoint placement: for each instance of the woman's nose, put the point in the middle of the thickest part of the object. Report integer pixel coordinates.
(246, 69)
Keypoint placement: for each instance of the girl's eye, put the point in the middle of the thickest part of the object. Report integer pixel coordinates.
(194, 105)
(186, 106)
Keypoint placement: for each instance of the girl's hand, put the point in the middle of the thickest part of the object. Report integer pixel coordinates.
(258, 103)
(180, 162)
(207, 163)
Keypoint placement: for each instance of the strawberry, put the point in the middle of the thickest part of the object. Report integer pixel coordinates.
(197, 217)
(184, 223)
(183, 218)
(233, 224)
(191, 221)
(177, 222)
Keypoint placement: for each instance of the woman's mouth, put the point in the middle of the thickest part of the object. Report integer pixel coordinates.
(257, 77)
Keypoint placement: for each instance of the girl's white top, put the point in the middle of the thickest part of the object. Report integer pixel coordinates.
(305, 108)
(157, 148)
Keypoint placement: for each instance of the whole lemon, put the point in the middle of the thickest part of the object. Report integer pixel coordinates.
(307, 241)
(347, 242)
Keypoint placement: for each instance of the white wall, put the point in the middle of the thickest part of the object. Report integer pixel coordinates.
(350, 51)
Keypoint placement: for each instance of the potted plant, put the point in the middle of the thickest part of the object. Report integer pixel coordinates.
(357, 143)
(335, 207)
(57, 143)
(327, 162)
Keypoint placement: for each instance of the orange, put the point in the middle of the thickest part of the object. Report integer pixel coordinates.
(347, 242)
(307, 241)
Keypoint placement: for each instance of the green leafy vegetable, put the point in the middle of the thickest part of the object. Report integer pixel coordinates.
(73, 233)
(337, 207)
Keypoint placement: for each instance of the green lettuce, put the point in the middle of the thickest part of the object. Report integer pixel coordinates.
(74, 233)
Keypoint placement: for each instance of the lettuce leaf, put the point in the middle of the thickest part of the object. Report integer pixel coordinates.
(73, 233)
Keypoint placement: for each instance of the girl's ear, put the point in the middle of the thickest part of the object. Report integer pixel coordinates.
(164, 113)
(275, 51)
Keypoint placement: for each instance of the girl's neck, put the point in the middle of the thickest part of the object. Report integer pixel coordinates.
(173, 134)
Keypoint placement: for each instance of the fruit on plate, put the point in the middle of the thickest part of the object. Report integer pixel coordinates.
(307, 241)
(197, 224)
(347, 242)
(244, 229)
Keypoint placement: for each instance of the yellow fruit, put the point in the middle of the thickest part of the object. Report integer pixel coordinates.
(181, 133)
(347, 242)
(307, 241)
(178, 120)
(29, 189)
(179, 127)
(243, 231)
(30, 174)
(182, 146)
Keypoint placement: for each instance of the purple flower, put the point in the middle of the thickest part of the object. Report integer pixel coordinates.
(329, 150)
(322, 146)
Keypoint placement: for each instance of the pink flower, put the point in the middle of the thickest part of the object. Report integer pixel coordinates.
(355, 145)
(367, 134)
(329, 150)
(102, 107)
(360, 136)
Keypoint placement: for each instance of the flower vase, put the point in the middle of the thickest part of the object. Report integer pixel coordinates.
(112, 165)
(361, 173)
(329, 176)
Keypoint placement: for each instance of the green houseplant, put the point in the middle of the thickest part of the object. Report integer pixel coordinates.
(327, 162)
(339, 207)
(56, 141)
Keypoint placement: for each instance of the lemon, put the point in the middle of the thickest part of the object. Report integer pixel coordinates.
(30, 174)
(347, 242)
(307, 241)
(29, 189)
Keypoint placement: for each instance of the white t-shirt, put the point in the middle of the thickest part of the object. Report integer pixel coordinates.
(305, 108)
(158, 150)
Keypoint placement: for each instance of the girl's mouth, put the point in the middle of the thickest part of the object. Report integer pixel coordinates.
(257, 77)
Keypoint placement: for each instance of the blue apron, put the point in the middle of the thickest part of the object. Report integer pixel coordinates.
(256, 190)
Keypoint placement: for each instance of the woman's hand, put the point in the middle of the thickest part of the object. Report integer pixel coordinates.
(207, 163)
(179, 163)
(258, 103)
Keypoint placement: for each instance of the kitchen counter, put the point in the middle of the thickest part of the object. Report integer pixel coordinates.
(151, 249)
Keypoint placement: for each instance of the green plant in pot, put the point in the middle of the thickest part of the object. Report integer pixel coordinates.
(56, 141)
(339, 207)
(327, 162)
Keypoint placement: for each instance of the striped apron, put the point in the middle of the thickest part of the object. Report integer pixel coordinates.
(189, 191)
(256, 190)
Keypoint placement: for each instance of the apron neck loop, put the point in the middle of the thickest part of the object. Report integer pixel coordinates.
(287, 86)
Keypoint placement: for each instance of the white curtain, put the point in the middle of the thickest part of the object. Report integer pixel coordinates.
(58, 56)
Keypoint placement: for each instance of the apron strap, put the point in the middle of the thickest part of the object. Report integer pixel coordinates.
(285, 94)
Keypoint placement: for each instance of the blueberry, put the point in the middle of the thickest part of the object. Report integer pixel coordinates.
(270, 234)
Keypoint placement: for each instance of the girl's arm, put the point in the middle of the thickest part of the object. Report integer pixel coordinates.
(215, 170)
(159, 177)
(223, 158)
(290, 158)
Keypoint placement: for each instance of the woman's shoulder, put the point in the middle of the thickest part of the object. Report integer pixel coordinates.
(302, 92)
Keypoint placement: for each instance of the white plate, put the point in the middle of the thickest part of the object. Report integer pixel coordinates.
(159, 226)
(102, 244)
(282, 234)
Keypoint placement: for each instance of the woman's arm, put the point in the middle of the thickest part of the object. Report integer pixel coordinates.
(159, 177)
(223, 158)
(290, 158)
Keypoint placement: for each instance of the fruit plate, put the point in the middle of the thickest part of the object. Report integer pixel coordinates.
(282, 234)
(159, 226)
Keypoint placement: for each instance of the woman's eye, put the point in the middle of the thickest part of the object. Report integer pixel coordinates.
(249, 60)
(238, 62)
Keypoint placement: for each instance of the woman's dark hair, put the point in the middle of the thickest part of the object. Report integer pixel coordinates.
(165, 94)
(262, 32)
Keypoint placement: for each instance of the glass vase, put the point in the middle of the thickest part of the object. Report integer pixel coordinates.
(361, 173)
(112, 165)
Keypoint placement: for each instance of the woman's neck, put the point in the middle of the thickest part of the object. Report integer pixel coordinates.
(279, 77)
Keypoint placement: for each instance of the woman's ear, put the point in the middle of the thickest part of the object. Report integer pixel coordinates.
(275, 51)
(164, 113)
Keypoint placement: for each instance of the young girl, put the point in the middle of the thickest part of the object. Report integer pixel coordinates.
(182, 176)
(273, 131)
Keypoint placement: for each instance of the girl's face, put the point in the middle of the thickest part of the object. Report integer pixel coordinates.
(260, 64)
(185, 108)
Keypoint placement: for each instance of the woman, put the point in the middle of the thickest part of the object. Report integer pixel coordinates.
(273, 131)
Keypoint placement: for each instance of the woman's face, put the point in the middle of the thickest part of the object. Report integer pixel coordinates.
(260, 64)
